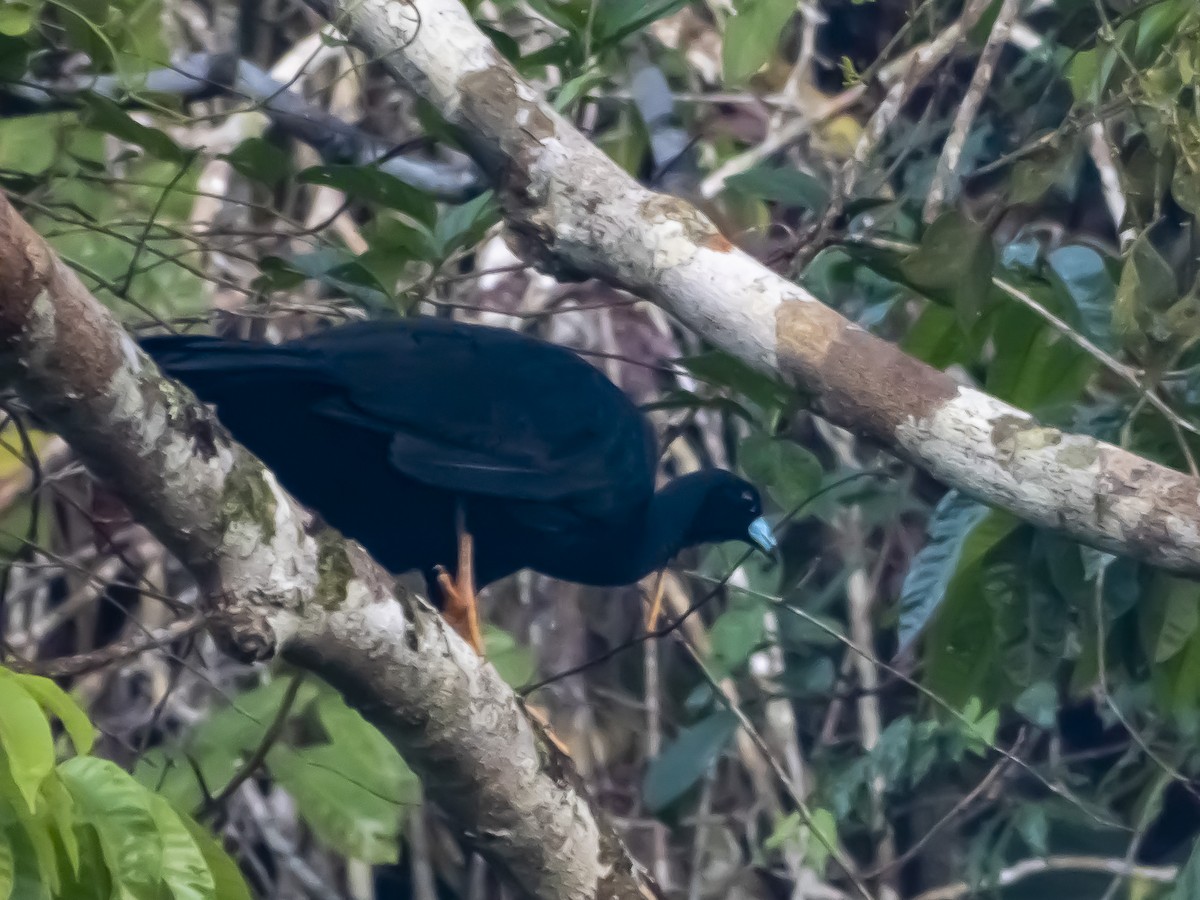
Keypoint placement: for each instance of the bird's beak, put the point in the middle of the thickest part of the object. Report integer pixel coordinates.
(762, 537)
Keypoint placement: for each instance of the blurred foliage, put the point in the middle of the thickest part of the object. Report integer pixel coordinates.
(1023, 699)
(83, 828)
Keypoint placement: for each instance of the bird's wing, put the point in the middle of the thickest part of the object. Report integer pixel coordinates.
(491, 412)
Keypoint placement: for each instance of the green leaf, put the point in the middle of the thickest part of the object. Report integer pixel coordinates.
(1168, 616)
(786, 186)
(1039, 704)
(104, 115)
(25, 739)
(979, 727)
(30, 881)
(961, 531)
(514, 663)
(1082, 275)
(371, 185)
(616, 19)
(822, 834)
(61, 809)
(24, 139)
(119, 808)
(686, 759)
(7, 866)
(953, 264)
(787, 830)
(751, 37)
(57, 701)
(1031, 823)
(228, 883)
(351, 816)
(1147, 289)
(93, 881)
(185, 871)
(738, 632)
(725, 370)
(790, 473)
(17, 17)
(259, 160)
(464, 224)
(1034, 367)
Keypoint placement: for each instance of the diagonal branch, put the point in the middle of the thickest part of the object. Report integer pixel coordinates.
(320, 601)
(580, 215)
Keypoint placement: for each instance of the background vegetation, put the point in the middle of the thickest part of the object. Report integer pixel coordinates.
(928, 698)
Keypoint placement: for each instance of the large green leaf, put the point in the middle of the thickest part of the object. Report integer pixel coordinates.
(227, 877)
(738, 632)
(790, 473)
(953, 264)
(185, 870)
(725, 370)
(120, 810)
(61, 809)
(1083, 275)
(751, 36)
(1168, 616)
(57, 701)
(961, 531)
(26, 741)
(686, 759)
(344, 805)
(104, 115)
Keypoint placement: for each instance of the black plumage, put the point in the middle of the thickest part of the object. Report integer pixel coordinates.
(386, 428)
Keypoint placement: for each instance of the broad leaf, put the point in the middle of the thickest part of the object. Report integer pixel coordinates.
(953, 544)
(104, 115)
(786, 186)
(790, 473)
(120, 810)
(751, 36)
(345, 809)
(26, 741)
(954, 264)
(227, 877)
(260, 160)
(371, 185)
(1168, 616)
(686, 759)
(185, 870)
(57, 701)
(1083, 275)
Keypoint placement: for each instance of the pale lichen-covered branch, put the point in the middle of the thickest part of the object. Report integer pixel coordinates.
(579, 215)
(272, 585)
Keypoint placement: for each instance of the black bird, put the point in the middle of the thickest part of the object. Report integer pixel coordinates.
(409, 434)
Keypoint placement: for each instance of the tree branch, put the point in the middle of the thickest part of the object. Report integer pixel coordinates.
(580, 215)
(274, 586)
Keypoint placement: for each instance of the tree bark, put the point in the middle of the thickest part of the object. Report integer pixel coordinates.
(273, 585)
(579, 215)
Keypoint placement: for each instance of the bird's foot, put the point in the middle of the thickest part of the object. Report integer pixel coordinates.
(461, 610)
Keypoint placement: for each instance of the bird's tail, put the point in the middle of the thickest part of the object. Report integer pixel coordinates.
(212, 366)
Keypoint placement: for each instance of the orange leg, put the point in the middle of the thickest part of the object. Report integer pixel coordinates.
(462, 605)
(656, 603)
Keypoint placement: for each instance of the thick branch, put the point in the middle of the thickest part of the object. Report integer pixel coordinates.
(314, 597)
(583, 216)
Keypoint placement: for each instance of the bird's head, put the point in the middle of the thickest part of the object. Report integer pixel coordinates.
(730, 509)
